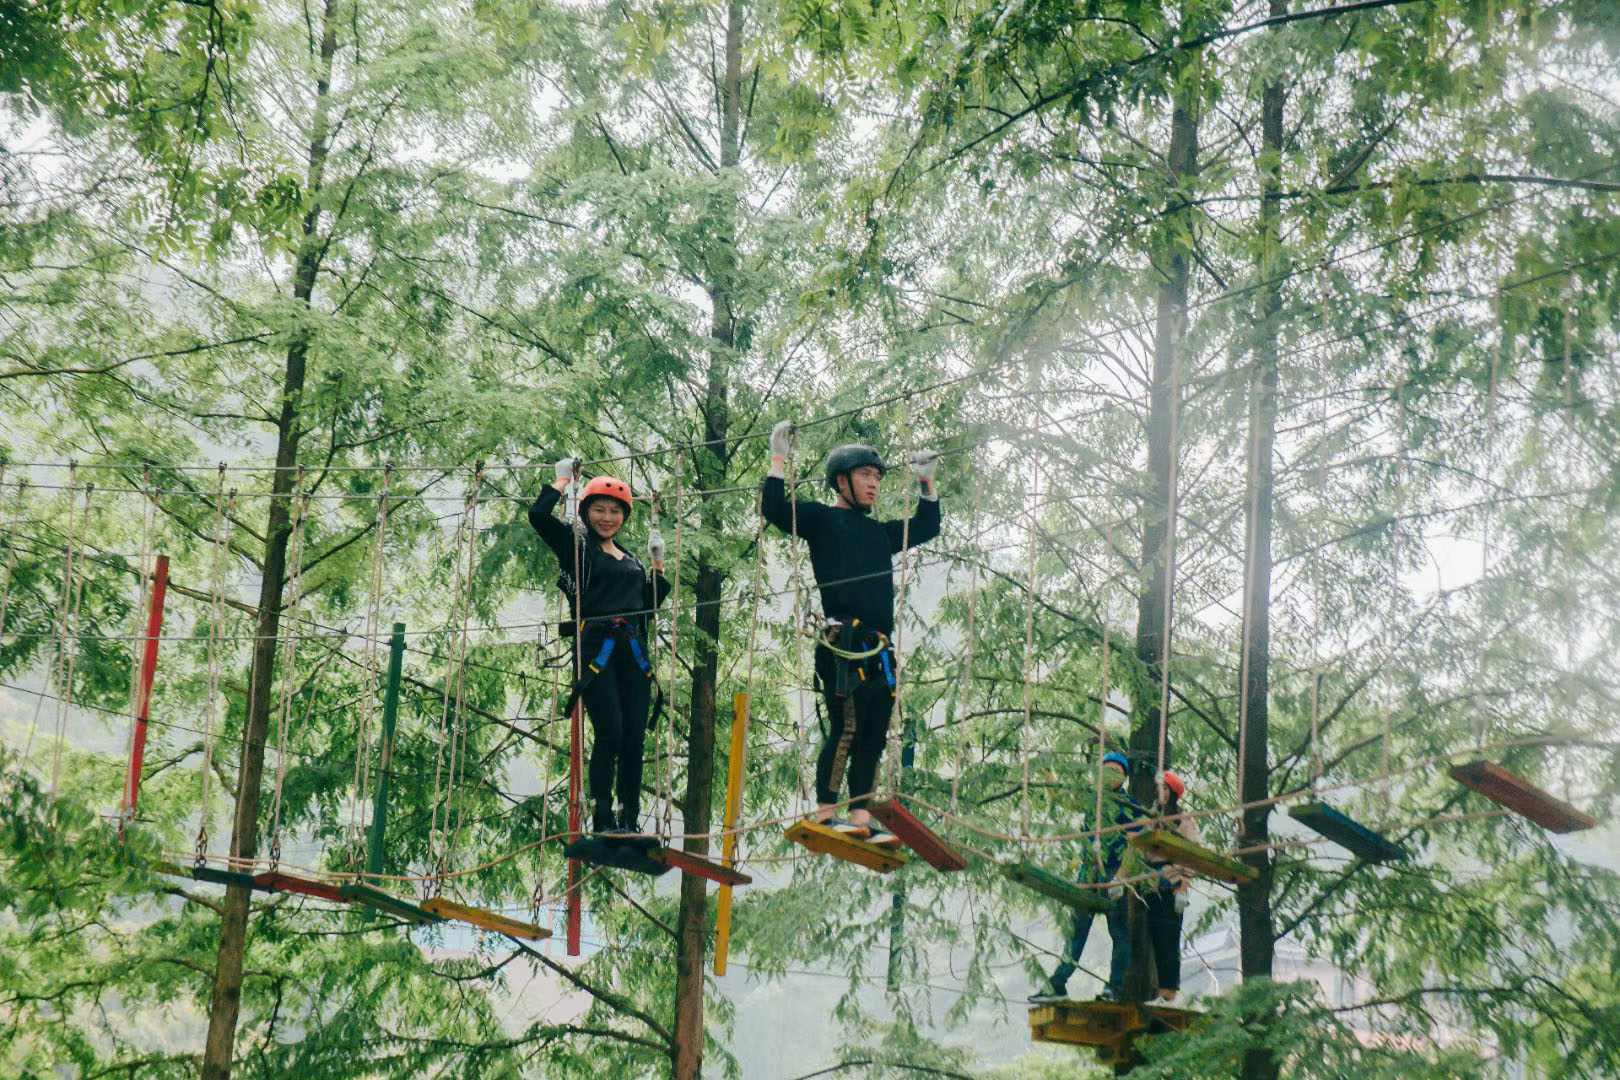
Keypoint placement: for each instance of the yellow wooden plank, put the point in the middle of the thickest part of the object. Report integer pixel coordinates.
(825, 841)
(728, 845)
(1176, 848)
(488, 920)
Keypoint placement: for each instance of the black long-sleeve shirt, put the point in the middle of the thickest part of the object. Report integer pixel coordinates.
(851, 553)
(608, 587)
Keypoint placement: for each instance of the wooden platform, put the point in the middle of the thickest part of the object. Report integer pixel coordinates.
(387, 903)
(602, 851)
(276, 881)
(1173, 847)
(824, 841)
(687, 863)
(1108, 1027)
(1521, 796)
(1349, 834)
(1092, 901)
(484, 920)
(917, 836)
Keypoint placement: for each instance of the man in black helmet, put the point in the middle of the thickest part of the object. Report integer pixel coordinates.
(852, 555)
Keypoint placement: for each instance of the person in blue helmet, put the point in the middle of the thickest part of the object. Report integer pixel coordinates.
(1118, 809)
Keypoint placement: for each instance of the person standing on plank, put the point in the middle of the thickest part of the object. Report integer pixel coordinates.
(610, 602)
(1167, 900)
(852, 555)
(1119, 809)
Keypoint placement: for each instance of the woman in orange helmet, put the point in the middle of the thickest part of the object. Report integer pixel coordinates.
(611, 601)
(1167, 900)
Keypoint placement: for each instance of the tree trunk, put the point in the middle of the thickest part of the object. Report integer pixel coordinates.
(1153, 613)
(692, 923)
(1255, 923)
(227, 996)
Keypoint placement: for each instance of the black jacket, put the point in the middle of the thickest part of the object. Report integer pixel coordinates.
(608, 587)
(851, 553)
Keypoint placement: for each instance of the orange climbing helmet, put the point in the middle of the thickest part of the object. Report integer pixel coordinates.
(608, 488)
(1175, 783)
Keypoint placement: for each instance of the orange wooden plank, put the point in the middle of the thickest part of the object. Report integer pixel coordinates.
(824, 841)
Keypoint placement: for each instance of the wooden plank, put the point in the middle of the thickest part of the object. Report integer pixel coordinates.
(276, 881)
(1351, 835)
(917, 836)
(605, 851)
(487, 920)
(1173, 847)
(227, 878)
(387, 903)
(825, 841)
(1522, 797)
(1085, 1023)
(688, 863)
(1093, 901)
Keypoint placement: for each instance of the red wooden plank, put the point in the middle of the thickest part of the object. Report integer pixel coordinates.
(576, 769)
(143, 691)
(687, 863)
(917, 836)
(1521, 796)
(276, 881)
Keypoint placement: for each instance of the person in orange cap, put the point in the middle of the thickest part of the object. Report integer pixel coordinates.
(611, 602)
(1167, 900)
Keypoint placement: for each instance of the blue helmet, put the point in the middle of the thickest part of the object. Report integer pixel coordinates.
(1114, 757)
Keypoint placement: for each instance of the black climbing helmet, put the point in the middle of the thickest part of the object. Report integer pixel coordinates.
(846, 459)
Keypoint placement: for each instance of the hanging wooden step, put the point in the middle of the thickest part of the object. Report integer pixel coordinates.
(917, 836)
(1349, 834)
(687, 863)
(619, 854)
(1521, 796)
(484, 920)
(1173, 847)
(276, 881)
(218, 877)
(387, 903)
(1091, 901)
(825, 841)
(1110, 1028)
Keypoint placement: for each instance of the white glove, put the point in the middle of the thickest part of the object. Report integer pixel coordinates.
(923, 464)
(655, 546)
(782, 439)
(1181, 902)
(567, 468)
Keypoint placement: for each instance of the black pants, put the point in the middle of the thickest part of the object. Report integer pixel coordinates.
(1164, 930)
(617, 701)
(858, 750)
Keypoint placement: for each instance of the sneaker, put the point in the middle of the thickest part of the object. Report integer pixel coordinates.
(877, 834)
(848, 828)
(1047, 996)
(1108, 996)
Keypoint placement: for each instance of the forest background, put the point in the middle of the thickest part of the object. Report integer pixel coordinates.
(1275, 340)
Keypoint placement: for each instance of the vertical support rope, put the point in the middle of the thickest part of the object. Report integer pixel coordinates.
(748, 678)
(967, 669)
(458, 785)
(800, 690)
(896, 750)
(674, 645)
(137, 614)
(370, 681)
(67, 657)
(1316, 572)
(1029, 607)
(289, 685)
(1102, 710)
(443, 776)
(11, 550)
(1171, 511)
(216, 618)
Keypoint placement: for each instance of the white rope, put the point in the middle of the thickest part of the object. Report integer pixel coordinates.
(674, 648)
(800, 689)
(289, 674)
(223, 505)
(896, 751)
(1102, 708)
(967, 667)
(1029, 607)
(73, 584)
(1171, 512)
(11, 548)
(137, 644)
(361, 790)
(458, 786)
